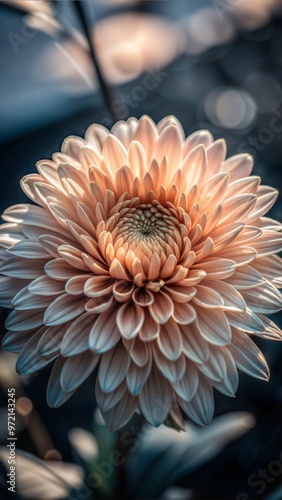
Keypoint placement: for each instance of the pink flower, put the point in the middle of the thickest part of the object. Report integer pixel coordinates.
(146, 255)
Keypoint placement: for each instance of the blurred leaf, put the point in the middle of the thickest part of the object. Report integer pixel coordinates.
(38, 479)
(165, 456)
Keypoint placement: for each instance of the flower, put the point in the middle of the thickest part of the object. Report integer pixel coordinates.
(147, 256)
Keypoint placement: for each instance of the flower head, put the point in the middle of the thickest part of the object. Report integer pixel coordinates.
(146, 255)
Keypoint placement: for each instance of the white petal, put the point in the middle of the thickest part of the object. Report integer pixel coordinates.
(130, 319)
(156, 398)
(170, 340)
(121, 413)
(106, 400)
(29, 249)
(139, 351)
(8, 288)
(270, 267)
(50, 340)
(200, 409)
(238, 166)
(113, 152)
(162, 308)
(187, 386)
(29, 361)
(269, 242)
(246, 321)
(232, 299)
(245, 277)
(15, 341)
(24, 300)
(208, 298)
(76, 337)
(216, 153)
(264, 298)
(113, 367)
(195, 346)
(172, 370)
(104, 333)
(136, 377)
(46, 286)
(169, 144)
(194, 165)
(63, 309)
(150, 329)
(248, 357)
(229, 384)
(213, 326)
(56, 395)
(217, 268)
(203, 137)
(21, 268)
(19, 321)
(77, 369)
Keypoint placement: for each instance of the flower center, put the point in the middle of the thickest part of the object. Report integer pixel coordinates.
(147, 227)
(145, 240)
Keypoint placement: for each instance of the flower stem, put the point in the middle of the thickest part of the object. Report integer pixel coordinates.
(108, 99)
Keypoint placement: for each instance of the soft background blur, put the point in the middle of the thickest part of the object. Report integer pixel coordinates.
(215, 64)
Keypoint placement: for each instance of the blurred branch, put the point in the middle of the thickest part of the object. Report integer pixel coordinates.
(108, 98)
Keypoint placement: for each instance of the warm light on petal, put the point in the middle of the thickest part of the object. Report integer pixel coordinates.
(147, 259)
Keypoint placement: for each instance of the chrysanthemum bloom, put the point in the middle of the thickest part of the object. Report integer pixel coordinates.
(147, 256)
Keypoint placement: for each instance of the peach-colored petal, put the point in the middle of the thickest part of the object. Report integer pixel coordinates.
(238, 166)
(162, 308)
(130, 319)
(170, 340)
(149, 253)
(150, 329)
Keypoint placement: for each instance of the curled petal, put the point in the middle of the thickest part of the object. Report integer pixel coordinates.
(122, 290)
(130, 319)
(150, 329)
(162, 308)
